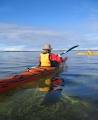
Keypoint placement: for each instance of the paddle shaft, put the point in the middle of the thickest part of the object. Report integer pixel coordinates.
(69, 49)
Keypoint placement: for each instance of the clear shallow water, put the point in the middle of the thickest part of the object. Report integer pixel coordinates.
(80, 75)
(15, 62)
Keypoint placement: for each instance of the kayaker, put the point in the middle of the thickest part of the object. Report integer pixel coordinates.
(49, 59)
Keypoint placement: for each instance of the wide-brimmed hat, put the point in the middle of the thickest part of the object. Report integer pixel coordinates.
(47, 47)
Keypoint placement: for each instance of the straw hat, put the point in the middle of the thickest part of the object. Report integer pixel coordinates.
(47, 47)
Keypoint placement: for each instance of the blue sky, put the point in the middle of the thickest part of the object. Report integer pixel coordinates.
(28, 24)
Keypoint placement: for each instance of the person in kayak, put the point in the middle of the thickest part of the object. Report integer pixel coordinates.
(49, 59)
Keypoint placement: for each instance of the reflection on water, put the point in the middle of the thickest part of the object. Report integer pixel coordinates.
(53, 88)
(45, 100)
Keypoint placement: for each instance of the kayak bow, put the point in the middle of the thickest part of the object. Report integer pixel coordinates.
(27, 77)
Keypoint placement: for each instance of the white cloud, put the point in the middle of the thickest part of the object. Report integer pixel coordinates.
(15, 37)
(12, 48)
(14, 32)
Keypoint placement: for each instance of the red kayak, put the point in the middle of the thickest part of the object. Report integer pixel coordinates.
(27, 77)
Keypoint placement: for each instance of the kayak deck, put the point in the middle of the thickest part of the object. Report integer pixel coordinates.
(28, 76)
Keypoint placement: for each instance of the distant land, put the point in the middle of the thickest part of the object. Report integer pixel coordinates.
(41, 50)
(20, 51)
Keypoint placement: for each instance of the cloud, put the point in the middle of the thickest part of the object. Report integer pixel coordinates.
(11, 48)
(14, 31)
(15, 37)
(14, 48)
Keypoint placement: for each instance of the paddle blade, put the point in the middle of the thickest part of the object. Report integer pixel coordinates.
(72, 48)
(69, 49)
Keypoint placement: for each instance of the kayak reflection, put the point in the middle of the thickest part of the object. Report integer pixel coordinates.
(53, 88)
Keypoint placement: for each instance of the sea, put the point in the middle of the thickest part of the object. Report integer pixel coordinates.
(80, 74)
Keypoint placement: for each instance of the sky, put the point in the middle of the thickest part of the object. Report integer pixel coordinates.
(29, 24)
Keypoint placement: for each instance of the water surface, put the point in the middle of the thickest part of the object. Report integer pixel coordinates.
(80, 83)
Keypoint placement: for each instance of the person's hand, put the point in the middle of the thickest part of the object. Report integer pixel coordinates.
(59, 55)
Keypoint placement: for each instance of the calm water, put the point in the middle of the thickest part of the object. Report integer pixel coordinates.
(80, 75)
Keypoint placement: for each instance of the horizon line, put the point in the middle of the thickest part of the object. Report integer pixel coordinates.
(40, 50)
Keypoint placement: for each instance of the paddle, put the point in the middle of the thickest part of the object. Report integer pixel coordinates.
(69, 49)
(61, 53)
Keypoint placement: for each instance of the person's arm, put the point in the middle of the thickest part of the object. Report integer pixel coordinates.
(60, 59)
(56, 57)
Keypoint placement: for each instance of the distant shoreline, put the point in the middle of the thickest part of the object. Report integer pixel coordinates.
(40, 50)
(22, 51)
